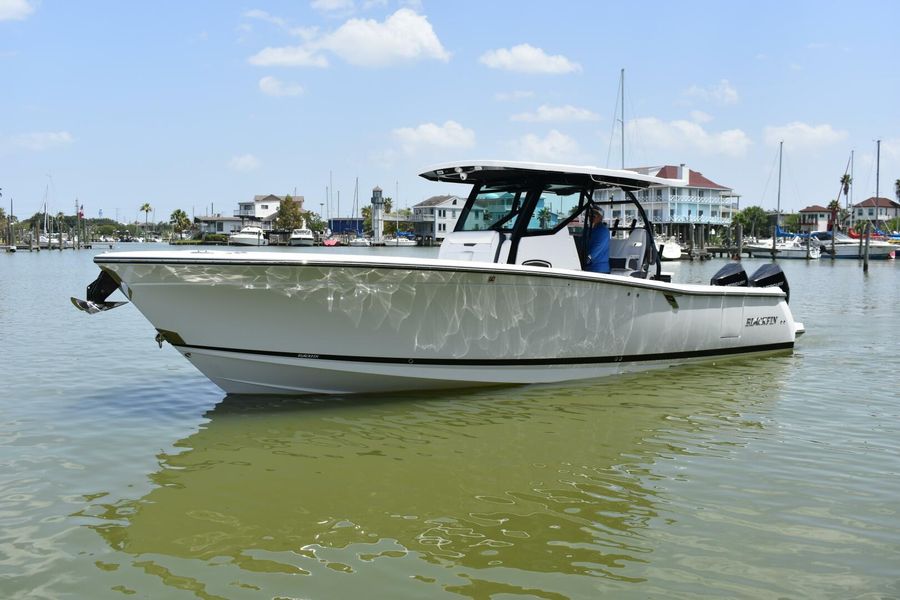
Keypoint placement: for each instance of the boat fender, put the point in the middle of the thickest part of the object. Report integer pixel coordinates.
(732, 274)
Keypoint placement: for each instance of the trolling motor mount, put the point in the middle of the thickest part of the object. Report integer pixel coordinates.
(97, 293)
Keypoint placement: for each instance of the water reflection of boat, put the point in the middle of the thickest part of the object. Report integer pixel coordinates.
(554, 489)
(510, 300)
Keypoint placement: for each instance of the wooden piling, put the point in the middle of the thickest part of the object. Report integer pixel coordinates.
(866, 255)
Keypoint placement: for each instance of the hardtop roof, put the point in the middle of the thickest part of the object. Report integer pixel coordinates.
(500, 171)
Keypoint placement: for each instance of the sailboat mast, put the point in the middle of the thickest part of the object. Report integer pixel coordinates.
(778, 204)
(877, 169)
(850, 200)
(622, 84)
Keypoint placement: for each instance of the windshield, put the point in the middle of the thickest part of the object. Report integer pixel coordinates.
(553, 207)
(499, 209)
(494, 209)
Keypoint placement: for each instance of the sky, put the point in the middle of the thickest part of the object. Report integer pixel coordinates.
(201, 105)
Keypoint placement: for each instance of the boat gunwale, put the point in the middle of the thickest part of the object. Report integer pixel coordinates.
(405, 263)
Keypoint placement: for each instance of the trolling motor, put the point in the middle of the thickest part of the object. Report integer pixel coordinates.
(97, 293)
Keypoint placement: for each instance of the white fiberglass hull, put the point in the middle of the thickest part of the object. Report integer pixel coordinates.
(286, 323)
(877, 250)
(302, 241)
(247, 240)
(762, 251)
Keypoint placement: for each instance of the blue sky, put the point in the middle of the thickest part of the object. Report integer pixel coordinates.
(197, 104)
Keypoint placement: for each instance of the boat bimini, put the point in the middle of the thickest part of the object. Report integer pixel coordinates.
(507, 301)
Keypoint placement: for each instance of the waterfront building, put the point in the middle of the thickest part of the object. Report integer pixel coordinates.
(346, 225)
(435, 217)
(814, 218)
(876, 210)
(262, 210)
(218, 224)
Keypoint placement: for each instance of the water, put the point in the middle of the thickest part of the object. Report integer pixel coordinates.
(125, 472)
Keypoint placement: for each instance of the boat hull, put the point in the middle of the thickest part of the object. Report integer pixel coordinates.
(269, 324)
(302, 242)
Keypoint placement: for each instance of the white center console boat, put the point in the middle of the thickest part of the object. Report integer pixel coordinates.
(508, 300)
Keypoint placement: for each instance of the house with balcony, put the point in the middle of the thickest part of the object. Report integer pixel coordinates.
(679, 208)
(435, 217)
(814, 218)
(262, 210)
(218, 224)
(876, 210)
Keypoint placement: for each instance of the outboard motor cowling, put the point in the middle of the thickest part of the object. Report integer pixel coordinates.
(732, 274)
(771, 275)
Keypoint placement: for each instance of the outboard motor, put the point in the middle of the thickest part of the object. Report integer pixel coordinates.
(771, 275)
(732, 274)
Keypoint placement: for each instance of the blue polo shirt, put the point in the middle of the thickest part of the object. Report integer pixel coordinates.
(598, 250)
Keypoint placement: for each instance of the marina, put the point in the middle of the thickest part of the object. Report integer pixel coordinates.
(346, 299)
(129, 470)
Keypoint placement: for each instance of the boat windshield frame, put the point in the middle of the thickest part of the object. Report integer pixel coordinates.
(531, 186)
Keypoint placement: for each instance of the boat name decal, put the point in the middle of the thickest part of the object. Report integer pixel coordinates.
(759, 321)
(307, 356)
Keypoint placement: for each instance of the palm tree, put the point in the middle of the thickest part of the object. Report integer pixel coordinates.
(897, 189)
(846, 180)
(180, 222)
(544, 215)
(146, 208)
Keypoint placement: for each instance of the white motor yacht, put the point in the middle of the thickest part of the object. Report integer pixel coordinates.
(507, 301)
(794, 247)
(360, 242)
(249, 236)
(302, 237)
(399, 240)
(847, 247)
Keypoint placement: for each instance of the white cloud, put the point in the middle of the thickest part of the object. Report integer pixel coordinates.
(288, 56)
(275, 87)
(449, 135)
(15, 10)
(525, 58)
(40, 140)
(514, 95)
(680, 134)
(698, 116)
(404, 36)
(244, 163)
(803, 135)
(546, 113)
(264, 16)
(333, 6)
(720, 93)
(554, 147)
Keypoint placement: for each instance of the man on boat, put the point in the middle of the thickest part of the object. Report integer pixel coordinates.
(598, 243)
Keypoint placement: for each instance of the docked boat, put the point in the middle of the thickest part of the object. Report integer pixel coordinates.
(509, 299)
(332, 241)
(846, 247)
(249, 236)
(399, 240)
(794, 247)
(302, 237)
(670, 249)
(360, 242)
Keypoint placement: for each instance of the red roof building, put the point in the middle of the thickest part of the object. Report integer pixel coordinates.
(875, 209)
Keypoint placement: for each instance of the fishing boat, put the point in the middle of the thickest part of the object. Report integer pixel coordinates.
(302, 237)
(248, 236)
(507, 301)
(794, 247)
